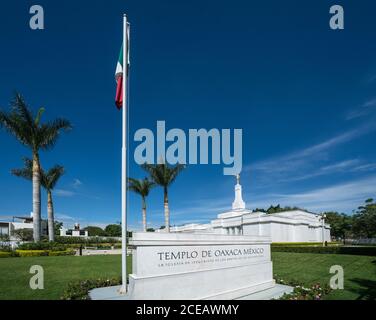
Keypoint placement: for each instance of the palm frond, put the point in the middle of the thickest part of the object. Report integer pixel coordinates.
(163, 174)
(16, 126)
(52, 176)
(26, 172)
(20, 107)
(39, 116)
(48, 133)
(141, 187)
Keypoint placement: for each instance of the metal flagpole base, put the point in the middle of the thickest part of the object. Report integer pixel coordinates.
(123, 289)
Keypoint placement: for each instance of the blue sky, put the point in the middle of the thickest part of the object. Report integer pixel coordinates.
(303, 94)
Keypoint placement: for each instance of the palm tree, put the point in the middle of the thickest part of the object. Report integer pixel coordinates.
(48, 182)
(28, 130)
(141, 187)
(164, 175)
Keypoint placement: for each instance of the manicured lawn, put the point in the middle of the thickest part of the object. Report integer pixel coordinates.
(307, 268)
(58, 271)
(310, 268)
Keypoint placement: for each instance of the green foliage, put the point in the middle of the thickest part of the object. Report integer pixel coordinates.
(32, 253)
(79, 290)
(5, 243)
(340, 224)
(276, 209)
(163, 174)
(141, 187)
(82, 240)
(57, 227)
(352, 250)
(301, 292)
(4, 238)
(27, 127)
(364, 221)
(150, 230)
(294, 244)
(44, 253)
(113, 230)
(95, 231)
(42, 245)
(23, 234)
(68, 252)
(6, 254)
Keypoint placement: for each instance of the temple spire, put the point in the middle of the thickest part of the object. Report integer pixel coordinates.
(238, 203)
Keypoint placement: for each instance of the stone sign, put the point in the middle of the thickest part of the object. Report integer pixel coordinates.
(199, 266)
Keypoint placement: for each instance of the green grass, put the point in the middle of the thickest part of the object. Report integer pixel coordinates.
(310, 268)
(306, 268)
(58, 272)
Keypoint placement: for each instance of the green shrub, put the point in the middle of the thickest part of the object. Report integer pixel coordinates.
(302, 292)
(68, 252)
(295, 244)
(6, 254)
(44, 253)
(32, 253)
(362, 251)
(42, 245)
(79, 290)
(87, 241)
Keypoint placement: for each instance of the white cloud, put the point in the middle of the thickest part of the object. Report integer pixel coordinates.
(340, 197)
(342, 166)
(77, 183)
(365, 109)
(64, 193)
(307, 163)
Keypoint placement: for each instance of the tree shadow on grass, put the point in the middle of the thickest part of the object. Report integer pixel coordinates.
(367, 290)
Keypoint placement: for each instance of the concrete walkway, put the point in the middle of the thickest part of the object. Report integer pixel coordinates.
(112, 293)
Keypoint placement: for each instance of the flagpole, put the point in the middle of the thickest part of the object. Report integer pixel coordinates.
(124, 161)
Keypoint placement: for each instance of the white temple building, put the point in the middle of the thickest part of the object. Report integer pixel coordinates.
(287, 226)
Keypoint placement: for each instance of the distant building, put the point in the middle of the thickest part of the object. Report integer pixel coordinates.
(76, 232)
(287, 226)
(10, 224)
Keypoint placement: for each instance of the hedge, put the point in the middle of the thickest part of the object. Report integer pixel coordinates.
(98, 246)
(293, 244)
(44, 253)
(361, 251)
(68, 252)
(32, 253)
(42, 245)
(81, 240)
(5, 254)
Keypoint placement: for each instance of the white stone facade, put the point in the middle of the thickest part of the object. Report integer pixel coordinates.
(288, 226)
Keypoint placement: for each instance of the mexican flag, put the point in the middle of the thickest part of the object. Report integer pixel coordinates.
(119, 80)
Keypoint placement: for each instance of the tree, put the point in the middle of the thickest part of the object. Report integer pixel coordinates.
(164, 175)
(276, 209)
(141, 187)
(95, 231)
(57, 226)
(340, 224)
(48, 181)
(29, 131)
(113, 230)
(365, 220)
(23, 234)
